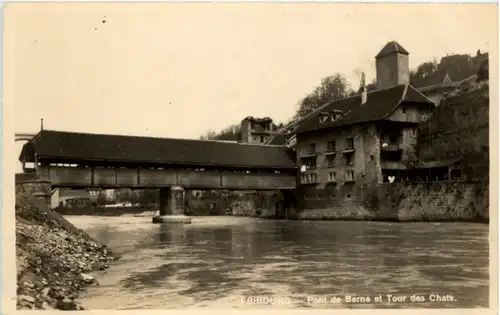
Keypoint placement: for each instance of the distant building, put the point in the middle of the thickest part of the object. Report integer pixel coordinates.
(257, 130)
(452, 72)
(363, 140)
(62, 197)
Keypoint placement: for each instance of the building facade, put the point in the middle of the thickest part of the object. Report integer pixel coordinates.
(351, 145)
(257, 130)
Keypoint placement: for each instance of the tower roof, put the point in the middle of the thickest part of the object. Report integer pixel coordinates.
(390, 48)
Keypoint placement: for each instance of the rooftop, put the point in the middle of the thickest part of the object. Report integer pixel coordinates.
(391, 48)
(62, 145)
(379, 105)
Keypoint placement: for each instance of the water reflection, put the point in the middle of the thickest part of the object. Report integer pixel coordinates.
(215, 260)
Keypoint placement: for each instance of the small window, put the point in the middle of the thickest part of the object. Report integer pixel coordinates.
(349, 176)
(308, 178)
(330, 160)
(331, 176)
(330, 147)
(403, 110)
(312, 148)
(348, 196)
(349, 159)
(323, 118)
(310, 163)
(371, 157)
(261, 138)
(350, 144)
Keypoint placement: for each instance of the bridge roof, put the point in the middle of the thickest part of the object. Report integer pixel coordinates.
(60, 145)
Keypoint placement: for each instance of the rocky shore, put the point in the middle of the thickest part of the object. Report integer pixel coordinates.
(54, 259)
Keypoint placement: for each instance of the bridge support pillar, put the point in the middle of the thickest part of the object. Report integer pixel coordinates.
(172, 206)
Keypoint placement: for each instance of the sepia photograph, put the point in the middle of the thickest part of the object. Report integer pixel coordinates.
(257, 156)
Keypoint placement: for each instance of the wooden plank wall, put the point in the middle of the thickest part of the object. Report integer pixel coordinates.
(156, 178)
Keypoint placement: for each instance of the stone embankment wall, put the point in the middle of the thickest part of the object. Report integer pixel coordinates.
(261, 204)
(436, 201)
(37, 188)
(442, 201)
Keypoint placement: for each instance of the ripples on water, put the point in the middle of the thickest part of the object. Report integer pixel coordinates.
(215, 261)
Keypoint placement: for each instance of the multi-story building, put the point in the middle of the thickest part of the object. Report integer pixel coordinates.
(363, 140)
(256, 130)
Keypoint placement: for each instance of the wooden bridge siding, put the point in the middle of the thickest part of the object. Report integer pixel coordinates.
(70, 176)
(195, 179)
(257, 181)
(126, 177)
(143, 178)
(103, 177)
(157, 178)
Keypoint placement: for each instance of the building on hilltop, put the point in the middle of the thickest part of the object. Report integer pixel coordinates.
(452, 71)
(350, 144)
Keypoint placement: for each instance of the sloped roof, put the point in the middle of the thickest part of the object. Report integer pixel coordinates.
(131, 149)
(437, 78)
(391, 48)
(278, 139)
(379, 105)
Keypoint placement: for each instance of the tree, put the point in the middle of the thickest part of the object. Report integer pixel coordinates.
(101, 198)
(423, 71)
(148, 197)
(331, 88)
(209, 135)
(231, 133)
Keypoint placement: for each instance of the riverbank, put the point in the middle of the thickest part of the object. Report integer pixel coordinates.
(106, 211)
(54, 259)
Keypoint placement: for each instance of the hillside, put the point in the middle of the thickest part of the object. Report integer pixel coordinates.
(459, 127)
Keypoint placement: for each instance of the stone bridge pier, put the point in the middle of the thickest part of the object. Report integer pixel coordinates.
(172, 206)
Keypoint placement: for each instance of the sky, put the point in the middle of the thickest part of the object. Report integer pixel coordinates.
(180, 69)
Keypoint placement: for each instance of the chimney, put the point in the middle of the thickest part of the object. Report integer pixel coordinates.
(364, 95)
(41, 124)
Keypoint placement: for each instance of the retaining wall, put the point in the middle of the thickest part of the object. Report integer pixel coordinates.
(435, 201)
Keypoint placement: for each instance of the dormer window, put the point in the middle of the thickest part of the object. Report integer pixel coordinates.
(335, 114)
(323, 117)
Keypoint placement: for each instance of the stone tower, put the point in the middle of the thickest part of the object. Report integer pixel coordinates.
(392, 66)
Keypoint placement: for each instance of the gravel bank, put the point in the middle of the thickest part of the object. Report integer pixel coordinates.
(54, 258)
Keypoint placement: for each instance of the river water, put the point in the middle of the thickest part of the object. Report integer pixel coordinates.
(240, 262)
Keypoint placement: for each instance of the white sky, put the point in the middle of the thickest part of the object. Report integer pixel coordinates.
(179, 69)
